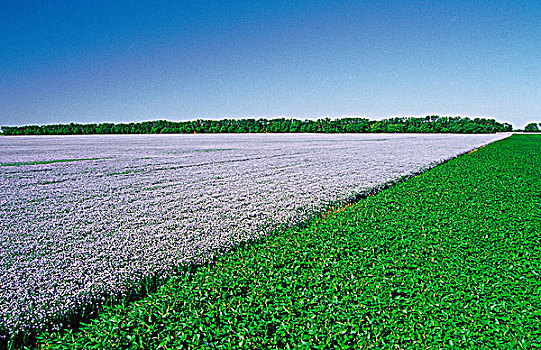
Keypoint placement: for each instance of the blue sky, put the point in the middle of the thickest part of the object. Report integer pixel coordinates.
(74, 61)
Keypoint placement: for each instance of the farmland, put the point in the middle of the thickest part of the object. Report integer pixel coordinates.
(448, 259)
(85, 219)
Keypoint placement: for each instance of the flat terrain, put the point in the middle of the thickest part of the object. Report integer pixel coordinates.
(448, 259)
(84, 218)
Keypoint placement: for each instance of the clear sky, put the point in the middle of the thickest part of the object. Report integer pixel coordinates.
(121, 61)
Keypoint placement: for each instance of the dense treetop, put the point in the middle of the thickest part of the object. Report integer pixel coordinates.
(533, 127)
(428, 124)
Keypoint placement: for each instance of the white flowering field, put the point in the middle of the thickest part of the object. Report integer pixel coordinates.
(83, 217)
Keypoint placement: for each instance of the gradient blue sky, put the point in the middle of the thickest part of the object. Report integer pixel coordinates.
(120, 61)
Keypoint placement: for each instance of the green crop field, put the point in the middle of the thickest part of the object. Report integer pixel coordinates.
(448, 259)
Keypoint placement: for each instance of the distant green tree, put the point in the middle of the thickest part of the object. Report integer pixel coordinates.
(396, 128)
(378, 126)
(532, 127)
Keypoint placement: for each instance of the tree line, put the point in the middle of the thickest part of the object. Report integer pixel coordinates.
(428, 124)
(533, 127)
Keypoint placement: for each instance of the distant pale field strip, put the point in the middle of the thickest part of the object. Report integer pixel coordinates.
(136, 206)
